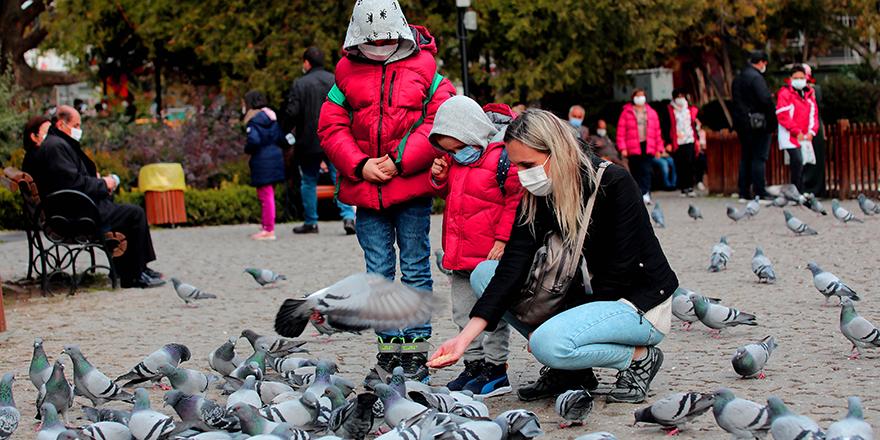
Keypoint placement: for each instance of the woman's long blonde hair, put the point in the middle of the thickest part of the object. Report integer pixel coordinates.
(543, 131)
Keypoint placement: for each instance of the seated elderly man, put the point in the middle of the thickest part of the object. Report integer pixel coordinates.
(59, 163)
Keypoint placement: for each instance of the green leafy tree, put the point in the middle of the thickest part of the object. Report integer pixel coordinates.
(12, 119)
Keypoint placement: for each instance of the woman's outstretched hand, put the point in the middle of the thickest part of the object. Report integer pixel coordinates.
(448, 354)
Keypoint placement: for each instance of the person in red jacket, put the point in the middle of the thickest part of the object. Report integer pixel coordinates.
(639, 139)
(377, 138)
(681, 136)
(482, 192)
(798, 117)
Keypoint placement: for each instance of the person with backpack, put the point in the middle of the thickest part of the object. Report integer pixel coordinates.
(798, 116)
(374, 129)
(482, 192)
(264, 138)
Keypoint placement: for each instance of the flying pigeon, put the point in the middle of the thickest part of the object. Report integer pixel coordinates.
(574, 406)
(733, 213)
(683, 309)
(744, 419)
(96, 415)
(720, 255)
(762, 267)
(358, 302)
(787, 425)
(718, 317)
(9, 415)
(673, 412)
(300, 412)
(858, 330)
(51, 426)
(57, 391)
(749, 361)
(853, 426)
(797, 226)
(354, 419)
(279, 347)
(186, 380)
(816, 206)
(868, 206)
(106, 431)
(146, 424)
(93, 384)
(657, 216)
(224, 360)
(198, 412)
(189, 293)
(694, 212)
(779, 202)
(40, 369)
(148, 368)
(264, 276)
(842, 214)
(829, 285)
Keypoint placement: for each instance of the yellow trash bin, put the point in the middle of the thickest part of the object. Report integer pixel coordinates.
(163, 185)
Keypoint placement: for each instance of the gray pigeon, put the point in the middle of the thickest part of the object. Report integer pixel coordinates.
(146, 424)
(269, 390)
(752, 208)
(57, 391)
(224, 360)
(797, 226)
(301, 412)
(283, 365)
(198, 412)
(749, 361)
(397, 408)
(439, 401)
(744, 419)
(91, 383)
(186, 380)
(791, 193)
(720, 255)
(816, 205)
(733, 213)
(354, 419)
(673, 412)
(96, 415)
(779, 202)
(868, 206)
(657, 216)
(787, 425)
(148, 368)
(597, 436)
(40, 369)
(359, 302)
(252, 423)
(246, 395)
(574, 406)
(853, 426)
(264, 276)
(858, 330)
(718, 317)
(829, 285)
(67, 434)
(472, 410)
(683, 309)
(106, 431)
(842, 214)
(438, 255)
(762, 267)
(279, 347)
(520, 424)
(9, 415)
(51, 426)
(189, 293)
(694, 212)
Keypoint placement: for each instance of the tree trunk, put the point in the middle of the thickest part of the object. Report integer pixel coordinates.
(725, 63)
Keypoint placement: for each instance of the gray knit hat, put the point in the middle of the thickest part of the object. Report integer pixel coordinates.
(462, 118)
(373, 20)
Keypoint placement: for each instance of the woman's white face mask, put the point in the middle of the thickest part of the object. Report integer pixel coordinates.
(377, 53)
(535, 180)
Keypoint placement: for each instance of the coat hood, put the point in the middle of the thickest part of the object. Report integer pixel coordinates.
(462, 118)
(263, 117)
(373, 20)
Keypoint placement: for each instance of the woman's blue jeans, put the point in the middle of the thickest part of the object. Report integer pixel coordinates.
(600, 334)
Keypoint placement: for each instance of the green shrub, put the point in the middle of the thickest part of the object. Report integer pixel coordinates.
(849, 98)
(10, 210)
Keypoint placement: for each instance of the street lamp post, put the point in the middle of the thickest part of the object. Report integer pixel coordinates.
(467, 20)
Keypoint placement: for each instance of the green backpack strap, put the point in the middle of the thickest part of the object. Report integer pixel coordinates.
(337, 97)
(434, 85)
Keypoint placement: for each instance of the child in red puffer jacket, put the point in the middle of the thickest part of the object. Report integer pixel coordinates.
(482, 192)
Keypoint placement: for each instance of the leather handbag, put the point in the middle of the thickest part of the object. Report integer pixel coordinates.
(549, 287)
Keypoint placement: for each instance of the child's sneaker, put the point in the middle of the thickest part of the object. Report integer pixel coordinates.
(472, 370)
(413, 357)
(264, 235)
(491, 382)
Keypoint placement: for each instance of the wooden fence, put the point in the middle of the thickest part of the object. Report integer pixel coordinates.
(852, 161)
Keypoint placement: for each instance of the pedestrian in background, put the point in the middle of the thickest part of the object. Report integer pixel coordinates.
(798, 117)
(576, 118)
(681, 137)
(375, 132)
(639, 140)
(307, 95)
(814, 173)
(267, 161)
(604, 147)
(668, 172)
(753, 112)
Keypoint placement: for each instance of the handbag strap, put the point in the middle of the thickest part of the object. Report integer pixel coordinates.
(588, 211)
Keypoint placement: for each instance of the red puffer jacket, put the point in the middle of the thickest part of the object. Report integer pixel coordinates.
(477, 213)
(386, 100)
(628, 132)
(796, 115)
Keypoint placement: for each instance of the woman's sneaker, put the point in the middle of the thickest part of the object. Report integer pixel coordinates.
(472, 370)
(491, 382)
(633, 383)
(264, 235)
(554, 382)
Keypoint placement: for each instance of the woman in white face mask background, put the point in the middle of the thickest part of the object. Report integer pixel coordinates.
(639, 140)
(798, 117)
(628, 312)
(681, 135)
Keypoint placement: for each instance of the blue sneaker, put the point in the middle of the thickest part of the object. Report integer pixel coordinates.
(492, 381)
(472, 370)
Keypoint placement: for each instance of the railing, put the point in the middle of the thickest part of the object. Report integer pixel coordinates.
(852, 161)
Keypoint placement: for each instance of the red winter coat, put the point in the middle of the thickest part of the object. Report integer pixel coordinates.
(628, 132)
(386, 100)
(476, 212)
(796, 115)
(673, 128)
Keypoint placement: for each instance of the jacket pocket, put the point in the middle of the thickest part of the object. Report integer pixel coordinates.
(391, 87)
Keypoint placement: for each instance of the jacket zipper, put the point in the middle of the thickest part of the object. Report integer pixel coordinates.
(391, 88)
(379, 133)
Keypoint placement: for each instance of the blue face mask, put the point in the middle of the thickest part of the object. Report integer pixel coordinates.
(575, 122)
(468, 155)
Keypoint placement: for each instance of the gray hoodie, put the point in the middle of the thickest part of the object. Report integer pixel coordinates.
(462, 118)
(379, 20)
